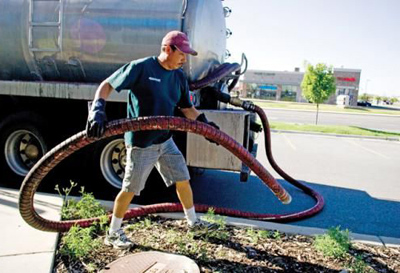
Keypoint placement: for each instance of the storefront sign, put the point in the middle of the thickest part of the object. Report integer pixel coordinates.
(346, 79)
(268, 87)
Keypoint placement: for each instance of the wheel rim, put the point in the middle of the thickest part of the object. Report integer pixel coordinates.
(22, 150)
(113, 161)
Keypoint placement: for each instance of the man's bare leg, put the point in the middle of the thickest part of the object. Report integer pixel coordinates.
(116, 237)
(121, 205)
(122, 202)
(185, 194)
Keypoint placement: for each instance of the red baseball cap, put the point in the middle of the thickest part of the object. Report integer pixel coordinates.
(180, 41)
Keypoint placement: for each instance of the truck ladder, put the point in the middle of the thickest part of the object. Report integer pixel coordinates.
(34, 25)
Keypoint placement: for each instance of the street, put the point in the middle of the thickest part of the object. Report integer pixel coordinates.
(375, 122)
(357, 177)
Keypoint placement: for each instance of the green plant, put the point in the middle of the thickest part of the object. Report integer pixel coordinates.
(276, 235)
(86, 207)
(256, 235)
(335, 243)
(357, 265)
(78, 242)
(67, 190)
(186, 244)
(102, 224)
(146, 223)
(90, 267)
(220, 233)
(211, 217)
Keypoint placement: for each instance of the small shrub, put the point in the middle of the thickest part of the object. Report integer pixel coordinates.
(220, 233)
(101, 226)
(215, 218)
(276, 235)
(335, 243)
(86, 207)
(256, 235)
(357, 265)
(186, 244)
(91, 267)
(146, 223)
(78, 242)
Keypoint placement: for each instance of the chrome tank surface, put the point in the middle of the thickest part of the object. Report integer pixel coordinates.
(86, 40)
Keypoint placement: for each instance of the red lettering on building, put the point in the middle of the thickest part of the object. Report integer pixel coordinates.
(346, 79)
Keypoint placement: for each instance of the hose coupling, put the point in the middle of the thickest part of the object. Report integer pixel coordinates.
(226, 98)
(249, 106)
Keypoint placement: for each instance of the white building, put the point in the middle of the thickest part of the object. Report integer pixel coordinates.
(286, 86)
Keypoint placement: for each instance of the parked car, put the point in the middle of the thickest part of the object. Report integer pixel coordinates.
(363, 103)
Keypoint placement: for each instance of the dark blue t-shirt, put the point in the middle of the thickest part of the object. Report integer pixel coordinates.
(153, 91)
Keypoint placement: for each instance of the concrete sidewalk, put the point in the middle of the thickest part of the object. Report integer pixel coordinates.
(25, 249)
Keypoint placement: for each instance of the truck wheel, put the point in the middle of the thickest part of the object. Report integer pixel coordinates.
(22, 145)
(113, 161)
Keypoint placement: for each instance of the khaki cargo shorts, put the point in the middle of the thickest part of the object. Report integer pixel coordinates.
(166, 157)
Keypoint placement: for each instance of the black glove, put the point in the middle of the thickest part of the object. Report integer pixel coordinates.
(203, 118)
(96, 122)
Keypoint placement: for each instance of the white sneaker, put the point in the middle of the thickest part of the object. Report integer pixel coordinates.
(201, 224)
(118, 240)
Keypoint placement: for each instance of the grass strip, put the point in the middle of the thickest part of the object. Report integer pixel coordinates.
(332, 129)
(326, 107)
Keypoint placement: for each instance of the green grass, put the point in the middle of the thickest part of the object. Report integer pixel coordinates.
(324, 107)
(332, 129)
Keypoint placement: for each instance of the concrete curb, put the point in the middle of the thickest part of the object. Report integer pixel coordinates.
(285, 228)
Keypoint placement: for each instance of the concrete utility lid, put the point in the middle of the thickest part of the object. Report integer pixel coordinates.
(153, 262)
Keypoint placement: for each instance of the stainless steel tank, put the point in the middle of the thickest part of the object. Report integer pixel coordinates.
(86, 40)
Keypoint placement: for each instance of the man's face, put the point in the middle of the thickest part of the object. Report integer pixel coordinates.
(176, 58)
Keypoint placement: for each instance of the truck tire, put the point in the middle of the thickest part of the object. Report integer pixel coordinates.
(22, 144)
(112, 161)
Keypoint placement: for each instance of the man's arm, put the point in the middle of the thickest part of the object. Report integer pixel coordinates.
(103, 91)
(194, 114)
(190, 113)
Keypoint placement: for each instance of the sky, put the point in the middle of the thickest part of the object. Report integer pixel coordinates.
(283, 34)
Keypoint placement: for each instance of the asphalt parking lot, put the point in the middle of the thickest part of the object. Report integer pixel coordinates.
(357, 177)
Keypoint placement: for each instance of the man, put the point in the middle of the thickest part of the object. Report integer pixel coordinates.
(157, 86)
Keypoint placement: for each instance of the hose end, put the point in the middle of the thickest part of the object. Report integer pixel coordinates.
(287, 200)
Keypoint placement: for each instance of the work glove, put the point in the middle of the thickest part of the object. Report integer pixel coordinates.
(203, 118)
(97, 119)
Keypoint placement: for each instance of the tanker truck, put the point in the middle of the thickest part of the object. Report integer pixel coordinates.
(54, 54)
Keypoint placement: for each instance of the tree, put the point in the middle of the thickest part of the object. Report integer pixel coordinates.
(378, 99)
(366, 97)
(318, 84)
(393, 100)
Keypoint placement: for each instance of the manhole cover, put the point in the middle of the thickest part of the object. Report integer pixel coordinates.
(152, 262)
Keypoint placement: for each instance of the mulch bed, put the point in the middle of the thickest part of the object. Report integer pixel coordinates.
(233, 249)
